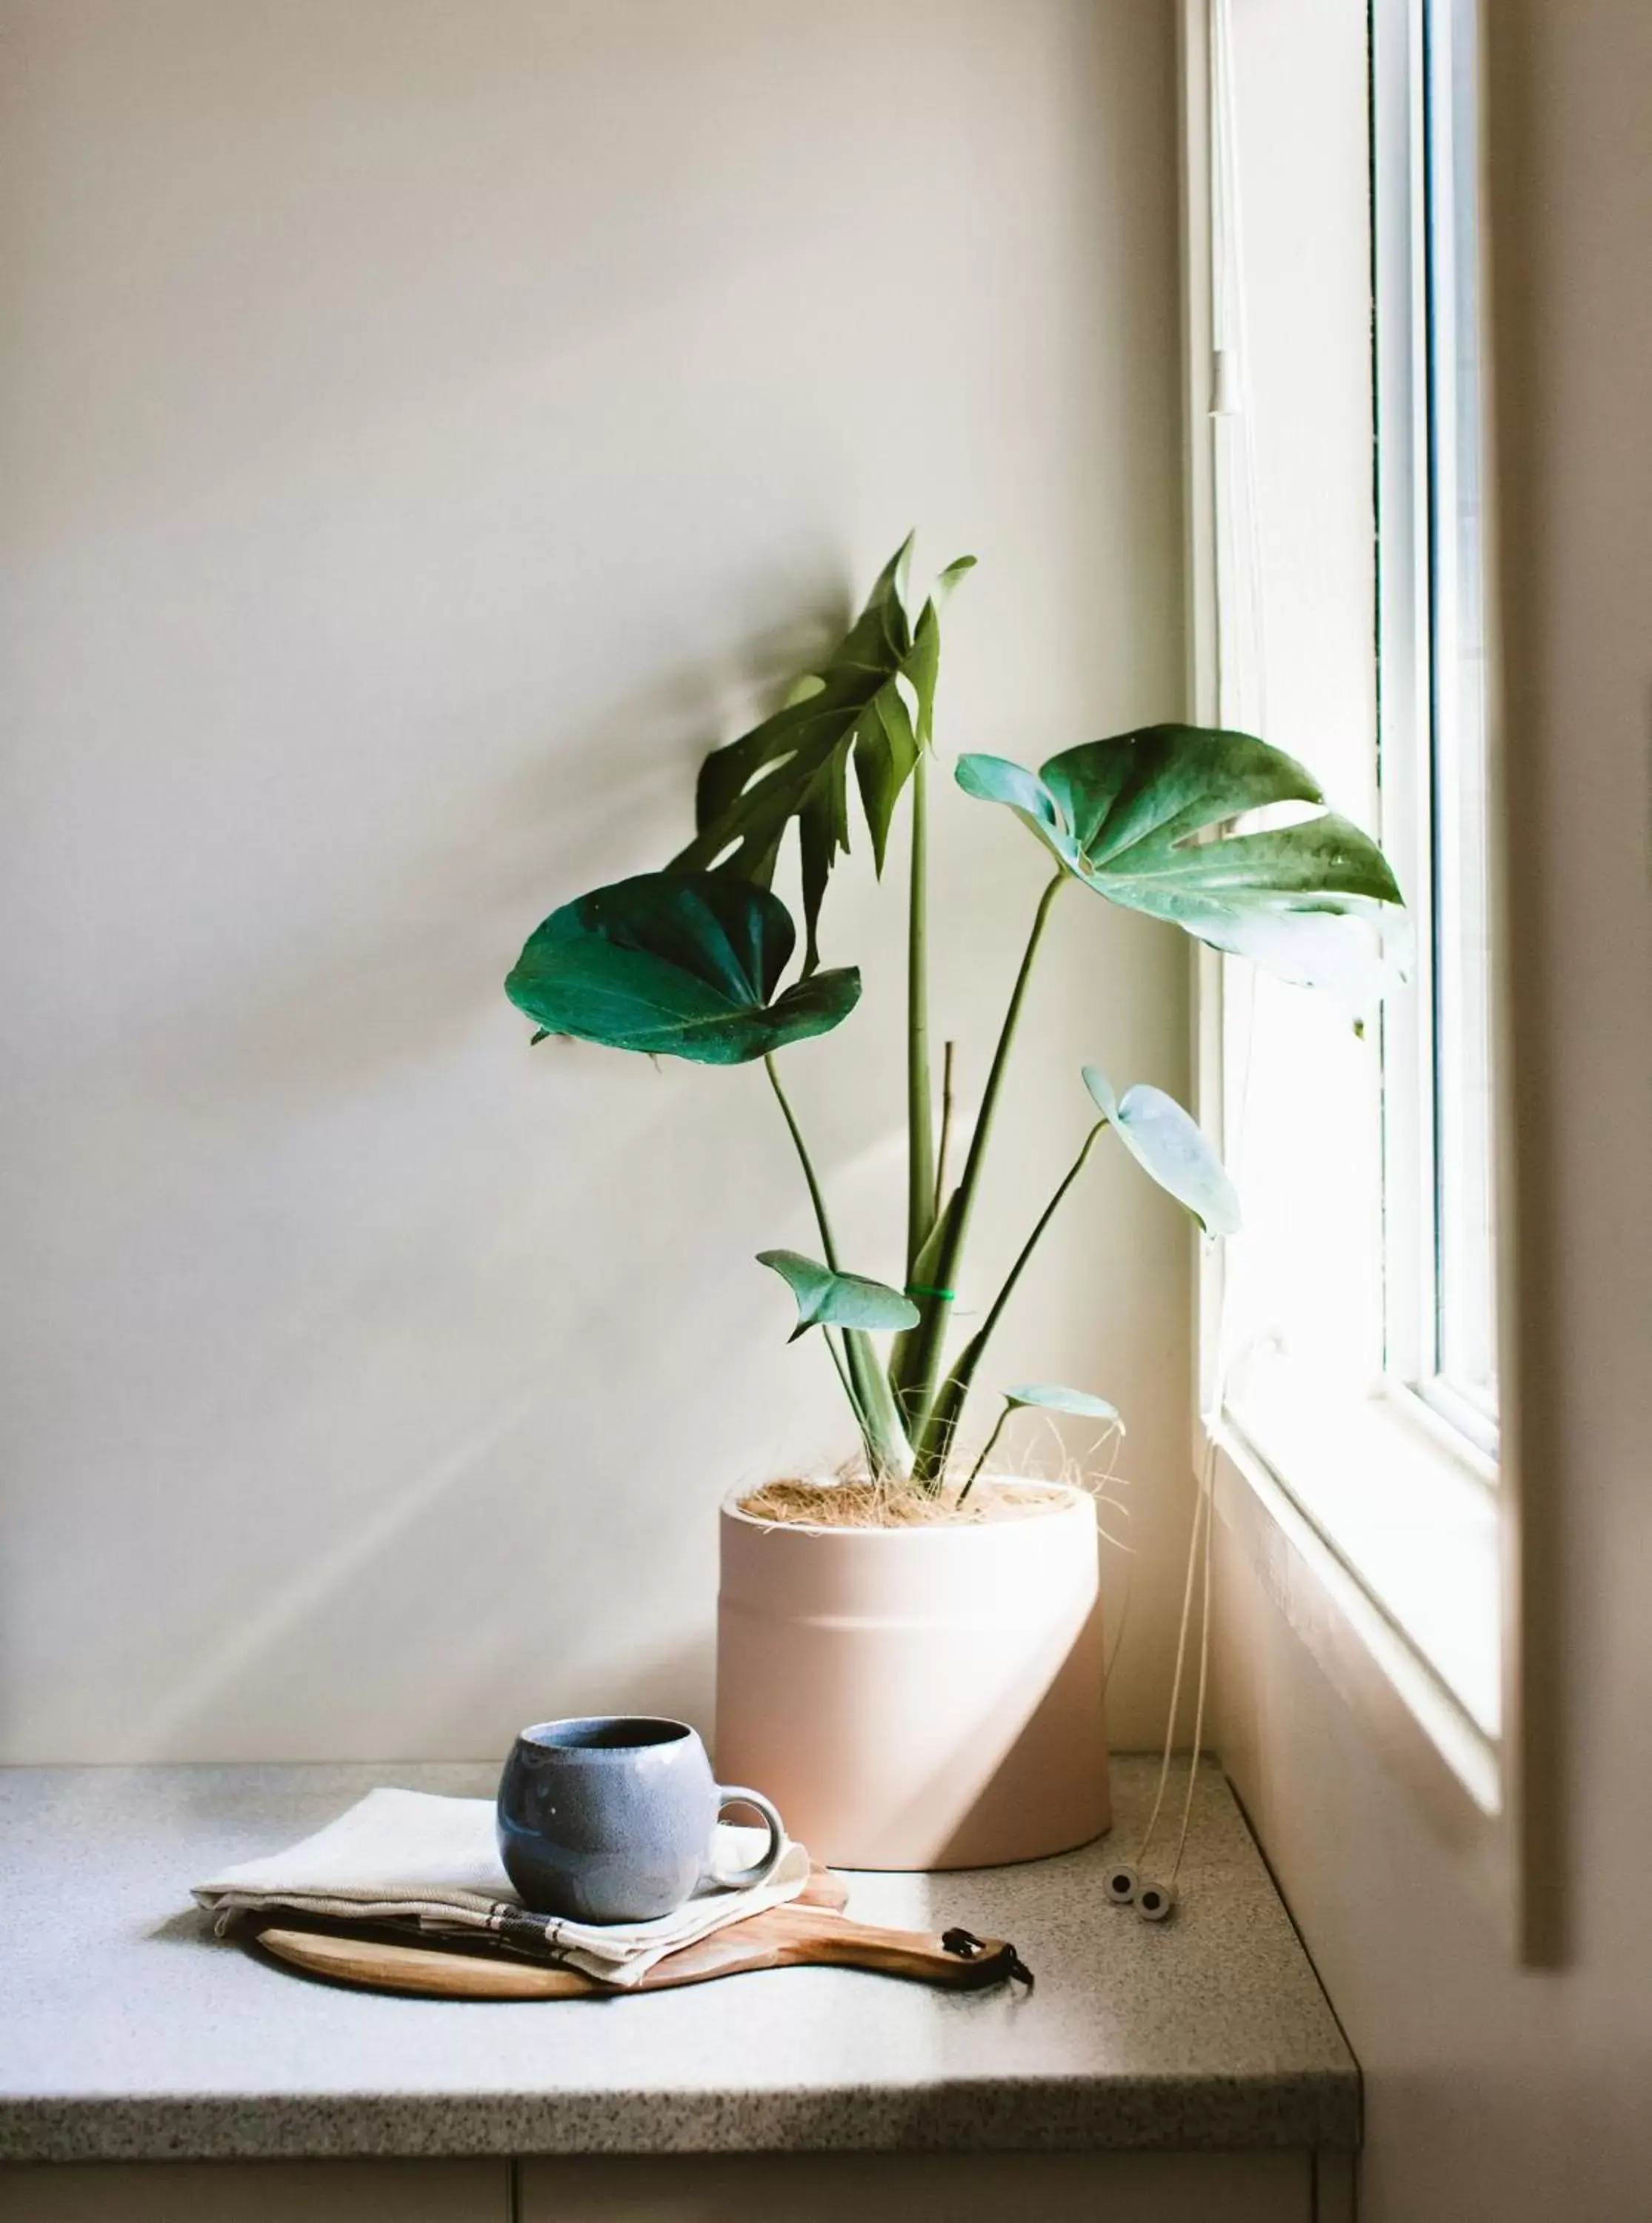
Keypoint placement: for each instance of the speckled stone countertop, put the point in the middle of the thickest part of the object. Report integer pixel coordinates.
(128, 2032)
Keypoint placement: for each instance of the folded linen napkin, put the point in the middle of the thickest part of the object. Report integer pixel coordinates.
(432, 1863)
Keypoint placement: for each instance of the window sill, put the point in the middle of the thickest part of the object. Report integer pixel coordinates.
(1381, 1542)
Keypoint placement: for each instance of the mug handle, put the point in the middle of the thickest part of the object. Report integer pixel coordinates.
(733, 1794)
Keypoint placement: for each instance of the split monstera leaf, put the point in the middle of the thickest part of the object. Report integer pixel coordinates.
(1126, 816)
(870, 704)
(688, 963)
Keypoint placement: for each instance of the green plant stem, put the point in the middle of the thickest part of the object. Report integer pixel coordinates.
(950, 1404)
(861, 1422)
(871, 1400)
(921, 1114)
(816, 1199)
(986, 1451)
(921, 1384)
(947, 1055)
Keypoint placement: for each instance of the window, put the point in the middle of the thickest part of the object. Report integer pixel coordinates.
(1439, 1265)
(1351, 1355)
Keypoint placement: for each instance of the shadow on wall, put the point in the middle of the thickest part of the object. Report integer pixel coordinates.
(421, 955)
(357, 1012)
(328, 1606)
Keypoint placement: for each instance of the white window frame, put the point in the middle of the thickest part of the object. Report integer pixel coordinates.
(1414, 579)
(1295, 1502)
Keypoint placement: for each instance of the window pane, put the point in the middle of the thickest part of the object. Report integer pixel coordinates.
(1465, 1354)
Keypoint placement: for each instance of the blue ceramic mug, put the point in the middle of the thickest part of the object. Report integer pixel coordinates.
(610, 1817)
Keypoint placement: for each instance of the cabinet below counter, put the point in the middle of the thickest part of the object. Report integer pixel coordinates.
(1132, 2187)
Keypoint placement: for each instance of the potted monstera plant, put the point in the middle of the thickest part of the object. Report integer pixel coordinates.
(910, 1652)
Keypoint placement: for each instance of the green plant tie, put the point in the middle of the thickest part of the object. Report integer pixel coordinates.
(922, 1289)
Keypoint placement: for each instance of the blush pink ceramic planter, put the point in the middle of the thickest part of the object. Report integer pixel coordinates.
(920, 1697)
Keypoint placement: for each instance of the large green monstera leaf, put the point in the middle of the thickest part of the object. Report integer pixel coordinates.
(1125, 816)
(795, 765)
(678, 965)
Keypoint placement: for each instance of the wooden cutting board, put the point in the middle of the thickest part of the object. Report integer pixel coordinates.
(811, 1929)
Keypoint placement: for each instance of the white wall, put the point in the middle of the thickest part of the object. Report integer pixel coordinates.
(1521, 2096)
(425, 426)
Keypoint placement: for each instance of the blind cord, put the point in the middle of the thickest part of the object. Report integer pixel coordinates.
(1241, 645)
